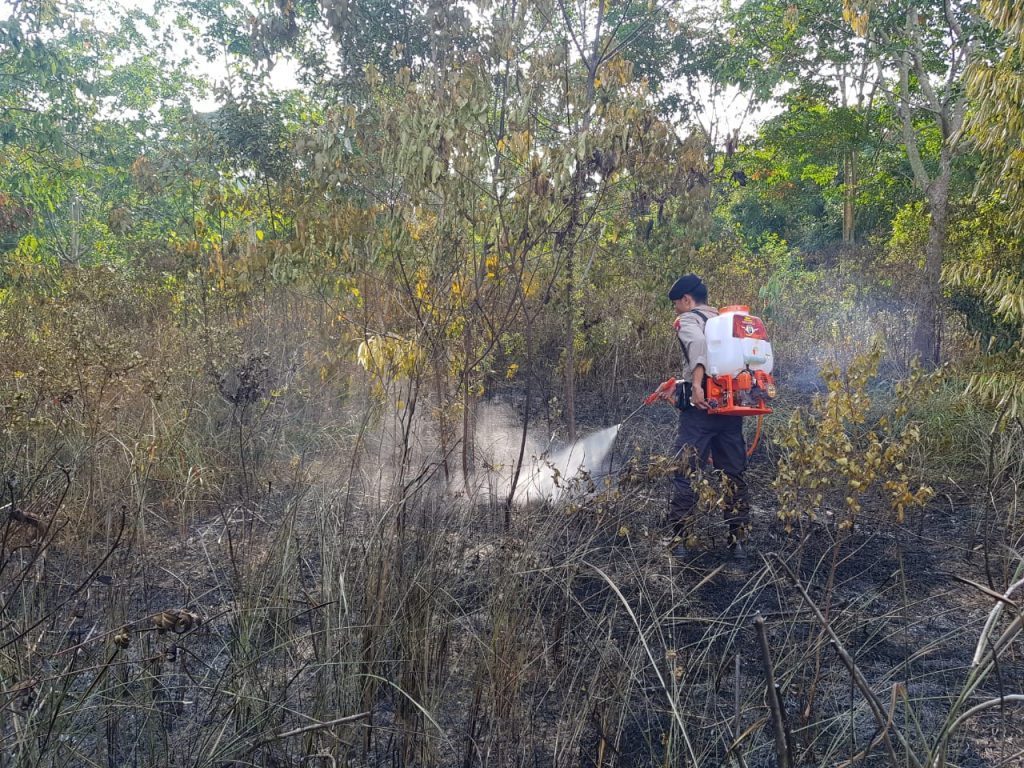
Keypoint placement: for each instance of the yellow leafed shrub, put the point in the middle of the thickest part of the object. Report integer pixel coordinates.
(839, 454)
(387, 358)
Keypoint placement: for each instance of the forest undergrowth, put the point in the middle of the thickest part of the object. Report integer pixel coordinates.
(291, 377)
(249, 561)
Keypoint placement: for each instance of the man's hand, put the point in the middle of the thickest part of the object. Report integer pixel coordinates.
(665, 393)
(697, 397)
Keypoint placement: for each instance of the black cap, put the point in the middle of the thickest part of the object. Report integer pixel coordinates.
(686, 284)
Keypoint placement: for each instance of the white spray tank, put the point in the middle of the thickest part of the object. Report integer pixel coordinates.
(740, 363)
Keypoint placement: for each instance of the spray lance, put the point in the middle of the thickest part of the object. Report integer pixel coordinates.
(664, 389)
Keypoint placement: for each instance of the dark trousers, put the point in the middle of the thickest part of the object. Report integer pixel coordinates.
(701, 437)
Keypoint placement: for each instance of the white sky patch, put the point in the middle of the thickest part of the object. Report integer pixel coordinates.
(726, 111)
(283, 73)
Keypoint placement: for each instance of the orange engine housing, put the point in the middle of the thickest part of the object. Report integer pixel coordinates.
(746, 394)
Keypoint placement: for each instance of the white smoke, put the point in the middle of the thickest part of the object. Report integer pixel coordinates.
(547, 474)
(549, 477)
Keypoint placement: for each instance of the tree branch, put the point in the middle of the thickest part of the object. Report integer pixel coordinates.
(907, 124)
(572, 32)
(954, 25)
(914, 35)
(316, 727)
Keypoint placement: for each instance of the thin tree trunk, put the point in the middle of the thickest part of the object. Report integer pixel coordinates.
(76, 226)
(570, 347)
(592, 60)
(948, 116)
(849, 196)
(468, 412)
(443, 426)
(528, 402)
(927, 339)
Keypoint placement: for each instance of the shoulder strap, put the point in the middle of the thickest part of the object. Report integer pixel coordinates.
(702, 316)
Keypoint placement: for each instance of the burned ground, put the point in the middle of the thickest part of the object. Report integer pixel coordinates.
(575, 638)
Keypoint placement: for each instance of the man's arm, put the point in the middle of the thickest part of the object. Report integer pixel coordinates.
(697, 398)
(691, 335)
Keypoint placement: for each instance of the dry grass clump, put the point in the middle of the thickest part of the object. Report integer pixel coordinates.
(298, 630)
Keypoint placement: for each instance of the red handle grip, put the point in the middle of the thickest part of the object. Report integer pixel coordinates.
(665, 388)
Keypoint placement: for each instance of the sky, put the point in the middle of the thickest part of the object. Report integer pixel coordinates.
(215, 72)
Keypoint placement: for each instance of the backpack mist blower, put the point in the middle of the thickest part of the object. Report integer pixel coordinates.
(739, 371)
(740, 364)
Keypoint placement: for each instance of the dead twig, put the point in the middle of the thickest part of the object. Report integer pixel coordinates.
(737, 713)
(990, 592)
(897, 688)
(314, 727)
(778, 730)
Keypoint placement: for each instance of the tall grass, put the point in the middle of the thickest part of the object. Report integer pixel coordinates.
(190, 576)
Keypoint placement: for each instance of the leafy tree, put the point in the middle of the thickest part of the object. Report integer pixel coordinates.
(927, 45)
(930, 45)
(806, 46)
(505, 187)
(79, 112)
(333, 43)
(990, 286)
(997, 121)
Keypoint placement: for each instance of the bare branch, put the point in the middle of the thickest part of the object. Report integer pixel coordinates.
(572, 32)
(914, 34)
(954, 25)
(907, 124)
(778, 731)
(316, 727)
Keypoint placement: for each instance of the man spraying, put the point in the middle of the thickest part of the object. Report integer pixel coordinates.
(702, 435)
